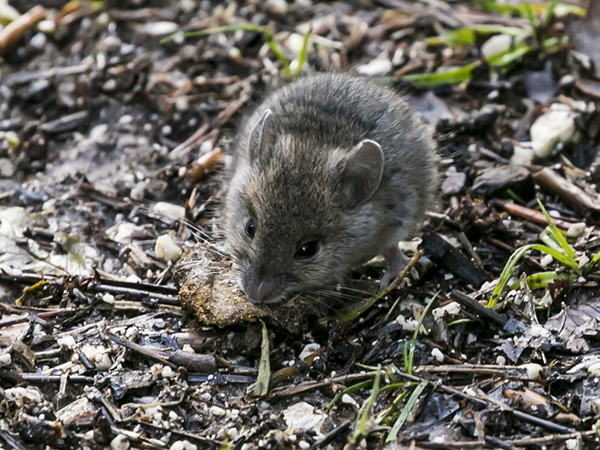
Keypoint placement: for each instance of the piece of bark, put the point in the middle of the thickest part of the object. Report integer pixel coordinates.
(445, 255)
(493, 180)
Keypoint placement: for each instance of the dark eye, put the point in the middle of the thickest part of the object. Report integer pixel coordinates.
(307, 250)
(250, 228)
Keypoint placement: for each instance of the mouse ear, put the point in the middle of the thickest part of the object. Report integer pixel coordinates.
(258, 143)
(362, 172)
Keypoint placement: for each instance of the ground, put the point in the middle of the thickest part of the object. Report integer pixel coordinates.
(116, 119)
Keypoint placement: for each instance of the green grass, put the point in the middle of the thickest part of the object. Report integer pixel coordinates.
(557, 246)
(268, 36)
(539, 16)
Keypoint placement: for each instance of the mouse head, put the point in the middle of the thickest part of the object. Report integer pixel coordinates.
(296, 215)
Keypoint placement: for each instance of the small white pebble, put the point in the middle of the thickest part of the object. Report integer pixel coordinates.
(217, 411)
(67, 341)
(496, 44)
(126, 119)
(308, 350)
(167, 372)
(533, 370)
(166, 130)
(182, 104)
(546, 260)
(206, 147)
(47, 26)
(554, 213)
(5, 359)
(303, 445)
(38, 41)
(183, 445)
(348, 400)
(376, 67)
(576, 230)
(109, 85)
(166, 248)
(438, 355)
(571, 444)
(235, 53)
(594, 369)
(108, 298)
(103, 362)
(120, 442)
(233, 433)
(538, 330)
(501, 360)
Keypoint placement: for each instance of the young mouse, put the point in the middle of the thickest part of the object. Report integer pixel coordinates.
(329, 172)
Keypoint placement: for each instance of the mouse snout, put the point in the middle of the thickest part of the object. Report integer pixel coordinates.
(261, 289)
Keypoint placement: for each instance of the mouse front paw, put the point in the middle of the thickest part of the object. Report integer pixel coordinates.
(396, 261)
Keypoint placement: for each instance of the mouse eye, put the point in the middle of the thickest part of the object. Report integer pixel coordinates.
(307, 250)
(250, 228)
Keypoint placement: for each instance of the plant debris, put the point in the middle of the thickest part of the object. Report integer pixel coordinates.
(121, 321)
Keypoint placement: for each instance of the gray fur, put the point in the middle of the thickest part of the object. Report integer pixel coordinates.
(296, 189)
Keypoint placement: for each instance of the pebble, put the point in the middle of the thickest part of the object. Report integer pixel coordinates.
(555, 126)
(348, 400)
(7, 168)
(496, 44)
(38, 41)
(546, 260)
(438, 355)
(166, 248)
(161, 28)
(183, 445)
(5, 359)
(377, 67)
(594, 369)
(126, 119)
(120, 443)
(308, 350)
(217, 411)
(533, 370)
(109, 85)
(576, 230)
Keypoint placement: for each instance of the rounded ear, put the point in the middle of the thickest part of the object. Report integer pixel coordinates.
(362, 172)
(258, 142)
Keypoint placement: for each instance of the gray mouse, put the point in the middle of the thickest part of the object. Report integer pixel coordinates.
(328, 172)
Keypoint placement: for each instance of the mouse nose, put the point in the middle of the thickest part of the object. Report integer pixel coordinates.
(261, 289)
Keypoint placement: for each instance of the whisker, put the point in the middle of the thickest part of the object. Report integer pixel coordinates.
(335, 294)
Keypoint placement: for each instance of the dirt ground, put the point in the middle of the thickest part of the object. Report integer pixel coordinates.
(116, 119)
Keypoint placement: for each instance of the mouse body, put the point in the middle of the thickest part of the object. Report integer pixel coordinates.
(328, 172)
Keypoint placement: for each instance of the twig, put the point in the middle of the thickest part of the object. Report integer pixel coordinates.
(484, 403)
(531, 214)
(479, 309)
(11, 33)
(197, 138)
(549, 180)
(191, 361)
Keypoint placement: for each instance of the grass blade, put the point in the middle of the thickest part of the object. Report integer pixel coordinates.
(264, 366)
(408, 364)
(303, 53)
(406, 411)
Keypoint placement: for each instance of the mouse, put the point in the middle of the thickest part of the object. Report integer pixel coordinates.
(328, 172)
